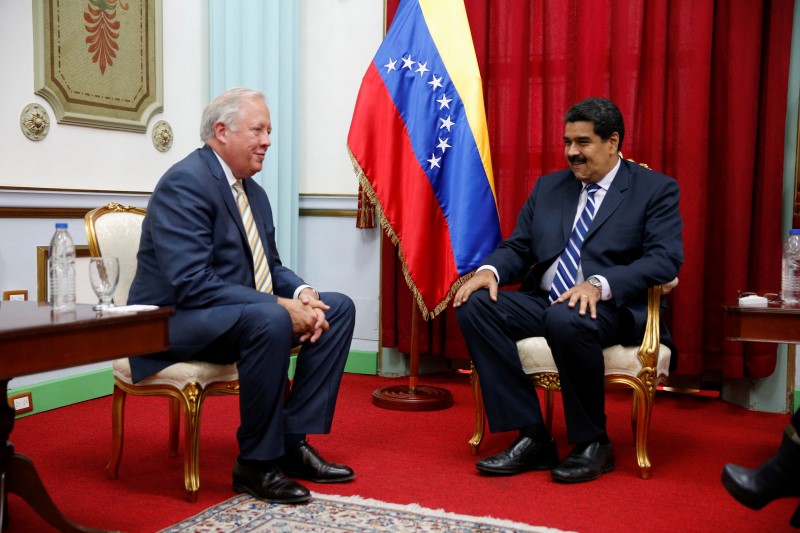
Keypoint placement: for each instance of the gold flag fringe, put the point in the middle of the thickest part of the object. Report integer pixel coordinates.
(365, 187)
(365, 215)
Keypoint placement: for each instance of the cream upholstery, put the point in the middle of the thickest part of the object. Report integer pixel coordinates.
(201, 373)
(642, 368)
(535, 356)
(114, 230)
(117, 235)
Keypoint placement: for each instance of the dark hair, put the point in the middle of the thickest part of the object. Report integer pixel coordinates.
(605, 115)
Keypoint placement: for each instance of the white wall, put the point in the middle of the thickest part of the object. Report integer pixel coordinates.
(338, 39)
(77, 157)
(88, 167)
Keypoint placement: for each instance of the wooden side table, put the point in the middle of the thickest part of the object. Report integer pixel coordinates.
(775, 323)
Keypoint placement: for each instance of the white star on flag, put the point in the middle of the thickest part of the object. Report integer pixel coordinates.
(443, 144)
(436, 82)
(422, 68)
(434, 161)
(446, 123)
(444, 101)
(390, 66)
(407, 62)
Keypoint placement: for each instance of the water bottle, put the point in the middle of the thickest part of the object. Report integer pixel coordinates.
(61, 270)
(790, 280)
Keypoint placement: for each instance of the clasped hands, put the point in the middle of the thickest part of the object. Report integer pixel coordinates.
(585, 295)
(308, 315)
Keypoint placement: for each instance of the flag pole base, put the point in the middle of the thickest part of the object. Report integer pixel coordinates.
(407, 398)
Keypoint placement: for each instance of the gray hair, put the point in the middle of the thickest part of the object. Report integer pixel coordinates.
(225, 108)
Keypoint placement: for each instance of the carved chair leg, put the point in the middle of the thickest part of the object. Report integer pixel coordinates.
(174, 425)
(191, 460)
(643, 403)
(480, 413)
(117, 431)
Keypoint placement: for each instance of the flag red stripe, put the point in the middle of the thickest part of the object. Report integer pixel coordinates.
(379, 140)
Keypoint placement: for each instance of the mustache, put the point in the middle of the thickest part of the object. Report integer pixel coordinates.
(576, 159)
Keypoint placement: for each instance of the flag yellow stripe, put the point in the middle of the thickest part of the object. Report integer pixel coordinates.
(449, 27)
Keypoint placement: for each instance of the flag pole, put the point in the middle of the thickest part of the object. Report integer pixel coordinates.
(413, 397)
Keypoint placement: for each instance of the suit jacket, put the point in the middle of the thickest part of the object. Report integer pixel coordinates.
(634, 241)
(194, 255)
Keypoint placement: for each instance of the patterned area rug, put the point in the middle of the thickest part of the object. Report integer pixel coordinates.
(328, 513)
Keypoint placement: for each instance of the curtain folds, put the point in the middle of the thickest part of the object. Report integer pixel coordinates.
(703, 89)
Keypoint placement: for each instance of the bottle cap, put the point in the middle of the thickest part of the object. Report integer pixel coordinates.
(794, 231)
(61, 224)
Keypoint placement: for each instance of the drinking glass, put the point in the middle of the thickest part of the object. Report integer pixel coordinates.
(104, 275)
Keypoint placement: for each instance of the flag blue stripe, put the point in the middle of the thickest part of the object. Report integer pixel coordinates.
(459, 181)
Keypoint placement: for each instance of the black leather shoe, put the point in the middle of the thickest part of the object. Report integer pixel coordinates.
(525, 454)
(585, 463)
(305, 462)
(271, 486)
(779, 477)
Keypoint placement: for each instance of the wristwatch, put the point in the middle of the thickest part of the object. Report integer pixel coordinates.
(595, 281)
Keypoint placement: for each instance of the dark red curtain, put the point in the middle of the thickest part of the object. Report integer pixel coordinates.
(703, 88)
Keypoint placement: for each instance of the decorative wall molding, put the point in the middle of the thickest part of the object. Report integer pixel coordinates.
(44, 212)
(34, 122)
(48, 203)
(76, 68)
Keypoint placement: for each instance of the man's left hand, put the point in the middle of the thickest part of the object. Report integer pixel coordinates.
(585, 295)
(309, 297)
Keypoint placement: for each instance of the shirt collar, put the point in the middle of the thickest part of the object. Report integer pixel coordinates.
(605, 183)
(226, 169)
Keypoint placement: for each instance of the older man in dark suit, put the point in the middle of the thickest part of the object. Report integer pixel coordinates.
(208, 249)
(588, 243)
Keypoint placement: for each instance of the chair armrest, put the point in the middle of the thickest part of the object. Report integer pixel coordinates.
(648, 350)
(667, 287)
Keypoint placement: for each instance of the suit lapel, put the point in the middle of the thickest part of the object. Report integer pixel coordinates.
(225, 191)
(613, 199)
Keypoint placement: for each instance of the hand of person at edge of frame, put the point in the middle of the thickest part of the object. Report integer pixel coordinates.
(481, 280)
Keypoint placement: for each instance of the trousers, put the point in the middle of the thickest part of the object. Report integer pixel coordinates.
(491, 330)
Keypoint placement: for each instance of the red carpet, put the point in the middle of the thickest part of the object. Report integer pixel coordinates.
(412, 458)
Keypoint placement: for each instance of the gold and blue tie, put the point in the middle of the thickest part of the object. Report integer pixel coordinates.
(261, 271)
(570, 258)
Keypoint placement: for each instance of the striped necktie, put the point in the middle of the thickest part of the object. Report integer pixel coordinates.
(261, 271)
(570, 258)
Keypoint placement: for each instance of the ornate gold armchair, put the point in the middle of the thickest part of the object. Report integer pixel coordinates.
(114, 231)
(642, 368)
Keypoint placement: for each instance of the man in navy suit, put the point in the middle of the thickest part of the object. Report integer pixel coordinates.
(634, 241)
(195, 255)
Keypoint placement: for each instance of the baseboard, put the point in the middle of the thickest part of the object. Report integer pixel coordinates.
(362, 362)
(60, 392)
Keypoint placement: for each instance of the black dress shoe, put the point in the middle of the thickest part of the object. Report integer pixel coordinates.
(525, 454)
(271, 486)
(305, 462)
(585, 463)
(778, 477)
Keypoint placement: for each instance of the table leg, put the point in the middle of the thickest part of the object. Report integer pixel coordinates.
(6, 425)
(19, 476)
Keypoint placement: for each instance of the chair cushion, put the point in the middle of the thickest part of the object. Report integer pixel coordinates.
(535, 355)
(180, 374)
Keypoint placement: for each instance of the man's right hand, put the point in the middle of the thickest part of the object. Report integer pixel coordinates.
(308, 319)
(483, 279)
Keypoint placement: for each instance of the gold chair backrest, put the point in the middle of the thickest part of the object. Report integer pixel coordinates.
(114, 230)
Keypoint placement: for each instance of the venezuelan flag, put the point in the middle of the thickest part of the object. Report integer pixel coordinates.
(420, 147)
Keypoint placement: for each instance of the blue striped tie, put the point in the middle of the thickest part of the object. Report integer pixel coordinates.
(263, 277)
(570, 258)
